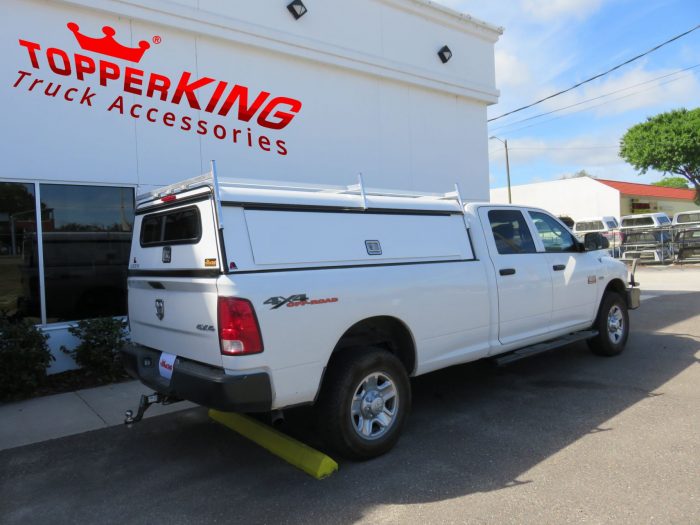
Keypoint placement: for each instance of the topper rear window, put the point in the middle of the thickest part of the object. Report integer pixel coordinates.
(181, 226)
(684, 218)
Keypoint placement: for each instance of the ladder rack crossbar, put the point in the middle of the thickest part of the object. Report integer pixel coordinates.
(208, 179)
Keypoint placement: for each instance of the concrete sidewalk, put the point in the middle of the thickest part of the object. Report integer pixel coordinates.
(51, 417)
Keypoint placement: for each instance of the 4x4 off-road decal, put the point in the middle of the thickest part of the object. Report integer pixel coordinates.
(297, 300)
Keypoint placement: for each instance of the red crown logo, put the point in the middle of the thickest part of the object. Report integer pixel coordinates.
(107, 45)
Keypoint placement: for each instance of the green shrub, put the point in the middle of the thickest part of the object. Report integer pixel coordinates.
(24, 357)
(98, 350)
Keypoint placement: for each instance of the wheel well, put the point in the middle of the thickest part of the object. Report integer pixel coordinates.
(385, 332)
(616, 285)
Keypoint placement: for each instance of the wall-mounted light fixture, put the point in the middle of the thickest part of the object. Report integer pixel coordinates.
(445, 54)
(297, 8)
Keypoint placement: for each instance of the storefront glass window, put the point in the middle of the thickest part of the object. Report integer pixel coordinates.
(19, 275)
(86, 241)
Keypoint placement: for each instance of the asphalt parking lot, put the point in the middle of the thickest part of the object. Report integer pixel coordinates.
(564, 437)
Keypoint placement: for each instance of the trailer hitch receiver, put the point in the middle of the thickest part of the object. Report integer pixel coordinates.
(145, 402)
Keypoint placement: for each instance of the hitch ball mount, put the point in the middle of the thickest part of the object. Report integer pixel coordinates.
(145, 402)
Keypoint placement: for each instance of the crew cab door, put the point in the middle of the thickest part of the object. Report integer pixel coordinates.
(574, 273)
(523, 278)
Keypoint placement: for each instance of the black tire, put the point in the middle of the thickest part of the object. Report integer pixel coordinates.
(347, 378)
(613, 326)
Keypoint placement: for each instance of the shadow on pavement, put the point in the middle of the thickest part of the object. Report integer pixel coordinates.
(473, 428)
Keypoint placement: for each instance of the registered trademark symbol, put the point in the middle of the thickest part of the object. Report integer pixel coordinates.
(157, 39)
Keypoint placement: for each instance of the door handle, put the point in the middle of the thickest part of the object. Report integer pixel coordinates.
(507, 271)
(559, 267)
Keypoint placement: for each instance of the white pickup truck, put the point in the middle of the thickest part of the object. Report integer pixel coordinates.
(252, 297)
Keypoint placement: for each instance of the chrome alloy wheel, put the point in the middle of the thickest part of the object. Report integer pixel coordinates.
(374, 406)
(616, 324)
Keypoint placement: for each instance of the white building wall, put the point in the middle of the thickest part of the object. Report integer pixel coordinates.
(578, 198)
(375, 97)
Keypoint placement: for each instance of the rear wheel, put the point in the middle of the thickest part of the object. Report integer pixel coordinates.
(612, 325)
(364, 402)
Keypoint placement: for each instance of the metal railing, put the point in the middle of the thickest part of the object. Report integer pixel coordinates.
(655, 245)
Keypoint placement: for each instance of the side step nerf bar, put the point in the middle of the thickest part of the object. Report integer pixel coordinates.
(539, 348)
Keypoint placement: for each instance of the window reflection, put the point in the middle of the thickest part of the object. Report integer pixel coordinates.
(19, 275)
(86, 240)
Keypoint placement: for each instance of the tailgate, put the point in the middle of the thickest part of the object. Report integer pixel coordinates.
(173, 268)
(177, 316)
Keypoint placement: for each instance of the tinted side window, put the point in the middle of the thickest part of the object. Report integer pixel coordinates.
(182, 226)
(511, 233)
(554, 237)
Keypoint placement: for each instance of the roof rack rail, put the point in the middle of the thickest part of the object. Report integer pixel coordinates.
(202, 180)
(211, 180)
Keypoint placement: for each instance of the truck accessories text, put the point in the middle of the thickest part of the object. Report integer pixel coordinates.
(225, 100)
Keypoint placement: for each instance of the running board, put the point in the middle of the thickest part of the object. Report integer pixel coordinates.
(539, 348)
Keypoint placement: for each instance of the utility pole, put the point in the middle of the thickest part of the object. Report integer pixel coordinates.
(505, 143)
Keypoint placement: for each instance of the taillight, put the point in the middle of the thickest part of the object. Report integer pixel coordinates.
(168, 198)
(239, 332)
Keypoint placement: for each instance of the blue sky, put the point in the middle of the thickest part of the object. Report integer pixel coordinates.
(549, 45)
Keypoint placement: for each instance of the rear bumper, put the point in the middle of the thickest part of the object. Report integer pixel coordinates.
(202, 384)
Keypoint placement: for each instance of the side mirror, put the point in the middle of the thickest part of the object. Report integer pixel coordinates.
(595, 241)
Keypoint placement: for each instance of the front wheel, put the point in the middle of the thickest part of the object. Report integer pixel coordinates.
(612, 325)
(364, 402)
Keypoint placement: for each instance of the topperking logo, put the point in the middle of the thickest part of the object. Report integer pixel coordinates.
(225, 103)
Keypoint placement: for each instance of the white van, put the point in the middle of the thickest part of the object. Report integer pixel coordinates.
(645, 220)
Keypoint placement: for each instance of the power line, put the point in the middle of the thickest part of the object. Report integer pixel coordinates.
(595, 98)
(597, 105)
(598, 75)
(565, 148)
(556, 148)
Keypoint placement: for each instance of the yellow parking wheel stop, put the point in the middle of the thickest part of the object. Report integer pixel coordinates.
(311, 461)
